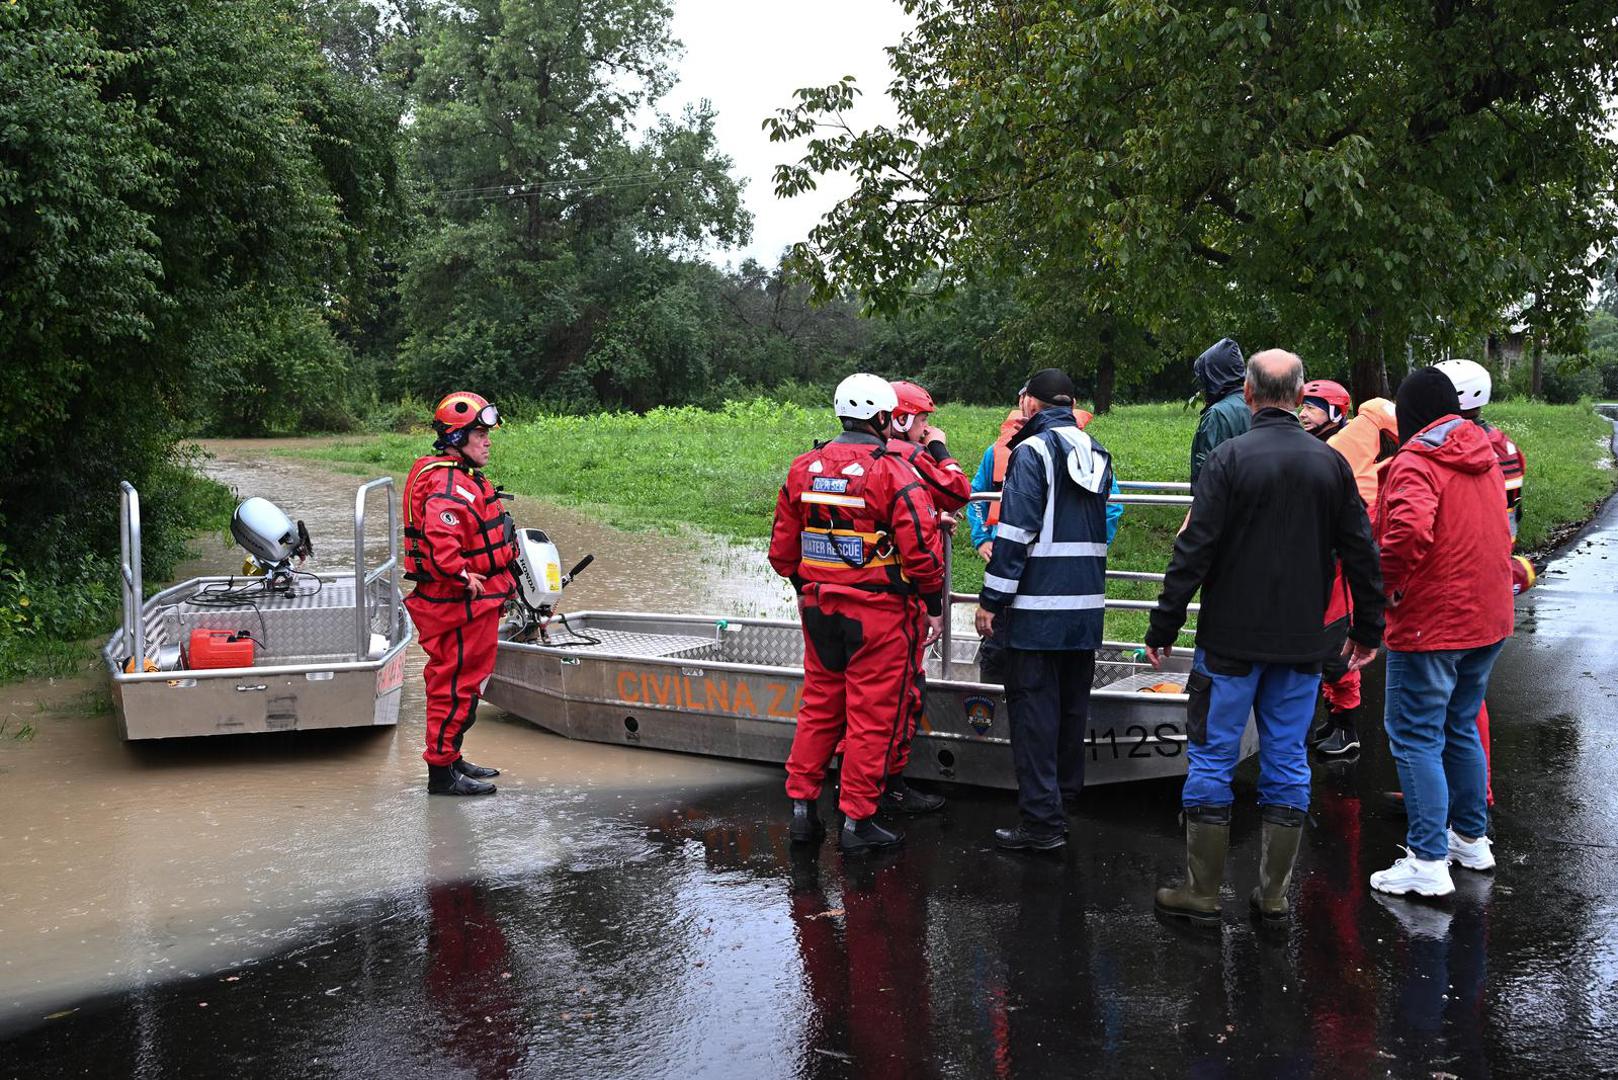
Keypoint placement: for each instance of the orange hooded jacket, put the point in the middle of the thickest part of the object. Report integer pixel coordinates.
(1361, 444)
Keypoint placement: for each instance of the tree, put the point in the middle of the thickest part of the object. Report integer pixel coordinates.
(162, 166)
(549, 220)
(1330, 174)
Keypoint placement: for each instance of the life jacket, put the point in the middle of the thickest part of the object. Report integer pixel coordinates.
(846, 503)
(485, 542)
(1512, 467)
(1002, 455)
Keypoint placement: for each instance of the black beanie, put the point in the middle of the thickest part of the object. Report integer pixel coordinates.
(1424, 396)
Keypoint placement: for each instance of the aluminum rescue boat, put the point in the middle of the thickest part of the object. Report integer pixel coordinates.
(323, 650)
(729, 687)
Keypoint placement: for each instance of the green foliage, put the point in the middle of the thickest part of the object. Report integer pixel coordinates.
(1332, 175)
(277, 368)
(48, 613)
(187, 192)
(549, 258)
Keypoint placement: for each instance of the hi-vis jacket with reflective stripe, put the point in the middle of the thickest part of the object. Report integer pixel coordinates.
(1049, 569)
(454, 522)
(855, 517)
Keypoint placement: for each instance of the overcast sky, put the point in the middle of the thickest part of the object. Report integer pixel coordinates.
(747, 56)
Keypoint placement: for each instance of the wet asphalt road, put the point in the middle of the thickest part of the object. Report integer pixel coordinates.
(677, 935)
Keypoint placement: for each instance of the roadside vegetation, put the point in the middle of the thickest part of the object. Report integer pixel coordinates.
(719, 471)
(53, 616)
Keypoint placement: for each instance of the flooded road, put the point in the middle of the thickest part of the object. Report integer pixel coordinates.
(124, 864)
(296, 907)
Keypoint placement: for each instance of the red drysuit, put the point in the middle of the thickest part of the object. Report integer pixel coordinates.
(454, 525)
(857, 534)
(949, 487)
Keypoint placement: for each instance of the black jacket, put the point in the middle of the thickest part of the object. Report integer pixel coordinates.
(1273, 510)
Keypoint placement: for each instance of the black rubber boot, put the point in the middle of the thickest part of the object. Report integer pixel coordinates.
(476, 772)
(444, 780)
(901, 798)
(1020, 839)
(1278, 851)
(1344, 737)
(865, 835)
(1207, 839)
(1321, 731)
(806, 827)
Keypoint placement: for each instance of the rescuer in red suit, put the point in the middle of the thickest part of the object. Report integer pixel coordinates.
(459, 542)
(924, 447)
(857, 534)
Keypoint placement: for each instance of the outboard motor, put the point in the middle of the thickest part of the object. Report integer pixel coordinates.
(540, 581)
(271, 538)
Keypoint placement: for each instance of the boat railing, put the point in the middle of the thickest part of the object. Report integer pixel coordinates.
(132, 586)
(129, 573)
(1130, 493)
(363, 578)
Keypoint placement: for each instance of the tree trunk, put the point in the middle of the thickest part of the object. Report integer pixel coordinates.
(1106, 371)
(1537, 386)
(1367, 374)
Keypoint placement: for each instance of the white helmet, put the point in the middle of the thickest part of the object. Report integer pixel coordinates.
(860, 397)
(1471, 381)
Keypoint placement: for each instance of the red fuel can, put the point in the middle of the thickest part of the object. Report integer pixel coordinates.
(219, 649)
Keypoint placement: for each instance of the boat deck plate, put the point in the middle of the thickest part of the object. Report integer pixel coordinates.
(628, 643)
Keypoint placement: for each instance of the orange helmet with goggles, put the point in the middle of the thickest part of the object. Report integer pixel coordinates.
(459, 413)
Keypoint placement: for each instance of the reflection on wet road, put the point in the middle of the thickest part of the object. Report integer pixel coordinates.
(621, 913)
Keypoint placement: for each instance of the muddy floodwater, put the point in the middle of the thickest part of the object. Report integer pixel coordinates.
(294, 906)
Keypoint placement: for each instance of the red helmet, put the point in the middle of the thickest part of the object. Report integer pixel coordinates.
(1337, 403)
(913, 399)
(461, 411)
(1331, 393)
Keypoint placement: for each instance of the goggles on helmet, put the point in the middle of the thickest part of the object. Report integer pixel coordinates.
(488, 417)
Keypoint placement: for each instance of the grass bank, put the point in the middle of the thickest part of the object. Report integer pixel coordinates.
(52, 621)
(719, 470)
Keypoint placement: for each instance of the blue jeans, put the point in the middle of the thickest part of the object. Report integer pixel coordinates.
(1283, 700)
(1432, 720)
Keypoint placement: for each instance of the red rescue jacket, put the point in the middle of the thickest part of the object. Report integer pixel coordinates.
(454, 523)
(1512, 468)
(854, 517)
(1446, 551)
(946, 482)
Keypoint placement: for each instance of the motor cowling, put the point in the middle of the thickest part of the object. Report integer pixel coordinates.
(538, 571)
(268, 534)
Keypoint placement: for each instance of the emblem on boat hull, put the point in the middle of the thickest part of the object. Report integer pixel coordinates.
(980, 714)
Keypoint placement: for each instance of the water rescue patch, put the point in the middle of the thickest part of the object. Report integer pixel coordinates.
(827, 548)
(448, 518)
(980, 714)
(836, 484)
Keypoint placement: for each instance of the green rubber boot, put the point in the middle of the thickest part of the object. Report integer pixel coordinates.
(1207, 839)
(1278, 850)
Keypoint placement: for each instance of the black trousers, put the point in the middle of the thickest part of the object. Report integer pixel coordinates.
(1048, 698)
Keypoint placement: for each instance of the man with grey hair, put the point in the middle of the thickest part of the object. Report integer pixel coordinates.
(1272, 512)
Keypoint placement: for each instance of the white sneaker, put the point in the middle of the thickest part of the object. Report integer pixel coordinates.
(1428, 877)
(1473, 854)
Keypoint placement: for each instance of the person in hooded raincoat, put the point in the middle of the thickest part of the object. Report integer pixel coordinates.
(1222, 372)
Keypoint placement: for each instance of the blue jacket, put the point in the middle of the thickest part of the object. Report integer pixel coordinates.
(1048, 573)
(977, 514)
